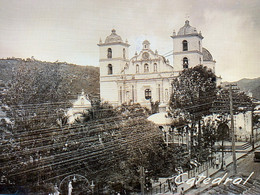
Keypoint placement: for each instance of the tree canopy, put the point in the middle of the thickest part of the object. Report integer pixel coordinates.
(194, 90)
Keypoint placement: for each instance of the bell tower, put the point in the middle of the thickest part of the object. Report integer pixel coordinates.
(113, 57)
(187, 47)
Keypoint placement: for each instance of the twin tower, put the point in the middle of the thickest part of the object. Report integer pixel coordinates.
(147, 76)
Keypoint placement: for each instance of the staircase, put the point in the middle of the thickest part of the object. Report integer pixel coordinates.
(239, 146)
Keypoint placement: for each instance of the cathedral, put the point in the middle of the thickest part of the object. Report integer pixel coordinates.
(147, 76)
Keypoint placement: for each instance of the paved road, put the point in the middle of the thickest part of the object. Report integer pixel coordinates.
(246, 165)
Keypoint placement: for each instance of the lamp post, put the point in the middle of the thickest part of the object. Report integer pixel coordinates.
(92, 187)
(142, 179)
(70, 188)
(73, 179)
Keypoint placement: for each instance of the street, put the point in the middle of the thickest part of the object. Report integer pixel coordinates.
(245, 167)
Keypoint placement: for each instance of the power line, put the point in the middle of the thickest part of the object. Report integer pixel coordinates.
(107, 147)
(167, 53)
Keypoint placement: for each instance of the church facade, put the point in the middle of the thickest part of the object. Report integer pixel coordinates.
(147, 76)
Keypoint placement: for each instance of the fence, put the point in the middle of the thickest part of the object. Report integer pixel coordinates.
(169, 185)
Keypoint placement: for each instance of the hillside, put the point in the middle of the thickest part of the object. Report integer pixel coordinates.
(74, 76)
(250, 86)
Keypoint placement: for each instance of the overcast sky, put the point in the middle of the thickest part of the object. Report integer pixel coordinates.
(69, 30)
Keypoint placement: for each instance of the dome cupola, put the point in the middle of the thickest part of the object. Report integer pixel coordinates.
(113, 38)
(206, 55)
(187, 29)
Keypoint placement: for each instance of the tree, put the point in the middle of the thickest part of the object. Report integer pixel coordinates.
(194, 91)
(36, 95)
(33, 103)
(36, 84)
(140, 144)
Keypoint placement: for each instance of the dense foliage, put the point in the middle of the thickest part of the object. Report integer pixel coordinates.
(108, 148)
(40, 81)
(194, 91)
(195, 95)
(35, 94)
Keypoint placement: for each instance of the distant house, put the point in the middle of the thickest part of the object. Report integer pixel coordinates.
(79, 106)
(242, 125)
(257, 109)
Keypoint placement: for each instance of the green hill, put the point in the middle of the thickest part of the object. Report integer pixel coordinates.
(249, 86)
(75, 77)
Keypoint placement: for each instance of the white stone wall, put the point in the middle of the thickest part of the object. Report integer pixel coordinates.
(125, 85)
(193, 43)
(194, 53)
(117, 51)
(243, 126)
(108, 90)
(117, 65)
(117, 61)
(134, 90)
(193, 59)
(161, 65)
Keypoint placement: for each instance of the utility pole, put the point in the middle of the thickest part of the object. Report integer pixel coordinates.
(232, 130)
(252, 129)
(142, 179)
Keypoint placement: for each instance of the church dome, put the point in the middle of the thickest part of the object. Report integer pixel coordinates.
(146, 42)
(206, 55)
(187, 29)
(113, 38)
(160, 118)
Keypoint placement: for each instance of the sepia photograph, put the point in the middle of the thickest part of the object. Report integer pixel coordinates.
(141, 97)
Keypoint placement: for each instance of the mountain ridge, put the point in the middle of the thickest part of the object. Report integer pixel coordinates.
(250, 86)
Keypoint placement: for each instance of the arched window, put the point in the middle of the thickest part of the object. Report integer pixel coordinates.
(109, 53)
(146, 68)
(124, 53)
(110, 69)
(137, 68)
(155, 67)
(148, 94)
(199, 46)
(185, 45)
(185, 62)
